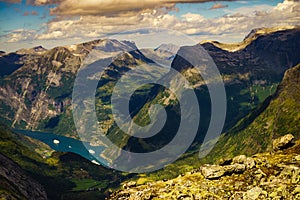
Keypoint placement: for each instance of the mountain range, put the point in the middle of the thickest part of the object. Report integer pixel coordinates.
(261, 79)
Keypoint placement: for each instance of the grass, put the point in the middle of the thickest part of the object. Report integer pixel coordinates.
(85, 184)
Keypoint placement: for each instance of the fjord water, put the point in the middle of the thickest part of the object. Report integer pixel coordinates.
(66, 144)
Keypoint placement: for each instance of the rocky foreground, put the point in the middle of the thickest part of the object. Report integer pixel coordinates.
(269, 175)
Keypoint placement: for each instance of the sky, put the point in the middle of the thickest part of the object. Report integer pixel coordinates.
(50, 23)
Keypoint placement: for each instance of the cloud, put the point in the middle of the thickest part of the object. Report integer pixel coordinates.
(239, 22)
(20, 35)
(218, 6)
(231, 27)
(109, 8)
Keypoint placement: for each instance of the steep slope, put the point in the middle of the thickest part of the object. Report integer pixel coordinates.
(268, 175)
(278, 115)
(16, 183)
(250, 76)
(35, 93)
(24, 174)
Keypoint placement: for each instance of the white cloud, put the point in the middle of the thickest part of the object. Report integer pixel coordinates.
(231, 27)
(20, 35)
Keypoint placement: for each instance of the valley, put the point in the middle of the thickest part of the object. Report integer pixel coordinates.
(261, 80)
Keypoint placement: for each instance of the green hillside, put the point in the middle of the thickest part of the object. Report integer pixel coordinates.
(277, 116)
(62, 175)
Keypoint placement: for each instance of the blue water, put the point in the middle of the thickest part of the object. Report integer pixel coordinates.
(67, 144)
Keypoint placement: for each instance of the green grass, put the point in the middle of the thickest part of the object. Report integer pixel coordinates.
(85, 184)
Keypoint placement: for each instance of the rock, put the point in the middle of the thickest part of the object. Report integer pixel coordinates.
(259, 174)
(283, 142)
(216, 171)
(250, 163)
(253, 193)
(235, 168)
(212, 171)
(297, 158)
(129, 185)
(241, 159)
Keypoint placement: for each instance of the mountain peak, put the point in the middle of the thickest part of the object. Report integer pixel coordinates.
(33, 50)
(252, 36)
(172, 48)
(263, 31)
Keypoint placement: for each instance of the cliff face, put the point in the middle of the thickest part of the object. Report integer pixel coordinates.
(17, 184)
(36, 84)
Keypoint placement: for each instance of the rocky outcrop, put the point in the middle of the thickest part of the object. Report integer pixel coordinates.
(269, 175)
(283, 142)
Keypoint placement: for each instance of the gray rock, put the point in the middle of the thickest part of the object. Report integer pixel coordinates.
(212, 171)
(253, 193)
(235, 168)
(216, 171)
(241, 159)
(283, 142)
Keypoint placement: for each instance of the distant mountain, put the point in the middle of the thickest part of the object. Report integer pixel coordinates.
(253, 35)
(36, 88)
(163, 55)
(36, 84)
(276, 116)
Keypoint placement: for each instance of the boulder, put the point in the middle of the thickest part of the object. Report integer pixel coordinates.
(212, 171)
(234, 168)
(242, 159)
(283, 142)
(216, 171)
(250, 163)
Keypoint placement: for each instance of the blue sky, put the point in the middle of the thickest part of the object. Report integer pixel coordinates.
(204, 9)
(26, 24)
(13, 16)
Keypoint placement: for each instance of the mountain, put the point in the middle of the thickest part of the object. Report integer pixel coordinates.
(253, 35)
(276, 116)
(35, 93)
(163, 55)
(36, 90)
(252, 74)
